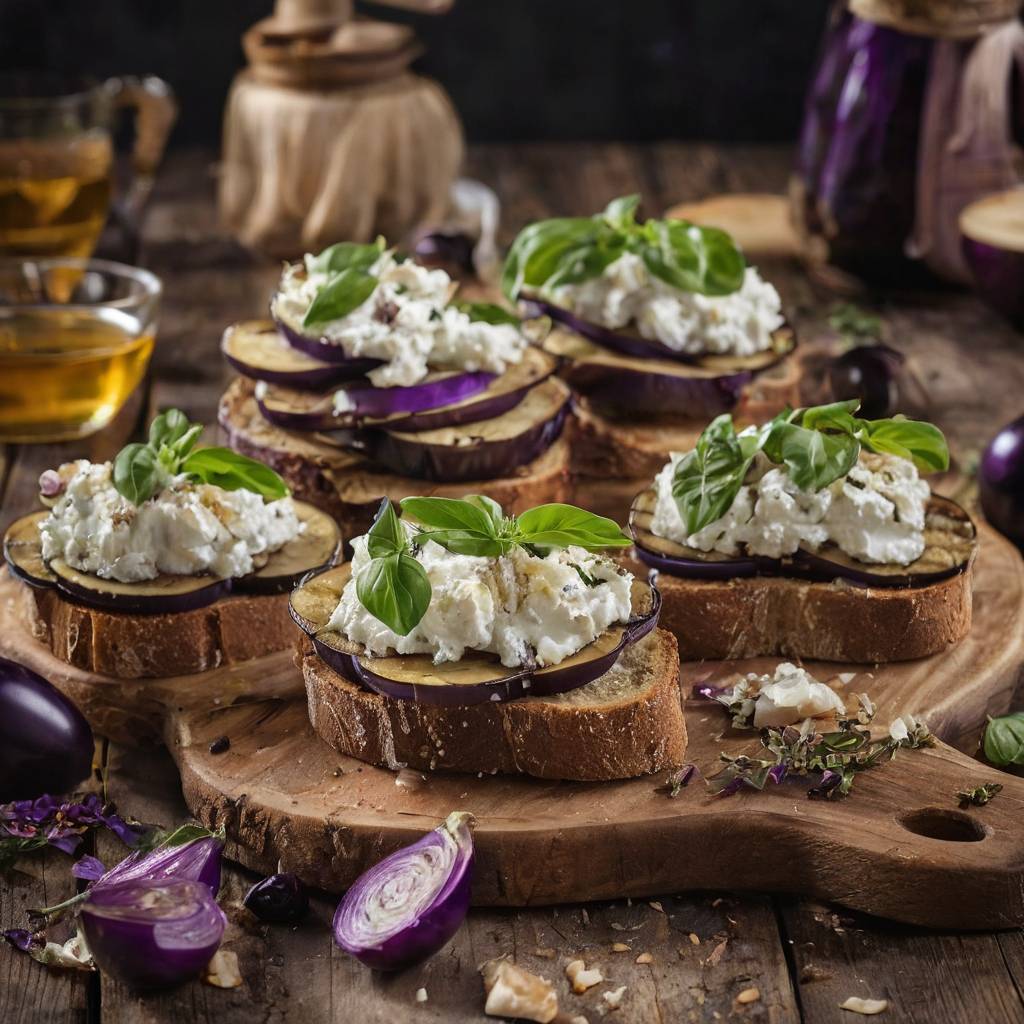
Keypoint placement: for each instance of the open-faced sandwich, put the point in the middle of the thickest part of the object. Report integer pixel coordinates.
(374, 378)
(811, 536)
(460, 639)
(170, 560)
(661, 326)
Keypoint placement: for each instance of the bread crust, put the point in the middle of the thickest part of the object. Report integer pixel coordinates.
(126, 646)
(566, 737)
(759, 616)
(347, 487)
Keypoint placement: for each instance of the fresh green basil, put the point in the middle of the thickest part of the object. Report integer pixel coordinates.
(140, 470)
(568, 250)
(343, 292)
(562, 526)
(488, 313)
(462, 527)
(818, 446)
(1004, 740)
(347, 255)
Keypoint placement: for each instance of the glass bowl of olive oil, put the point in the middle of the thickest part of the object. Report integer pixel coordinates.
(75, 340)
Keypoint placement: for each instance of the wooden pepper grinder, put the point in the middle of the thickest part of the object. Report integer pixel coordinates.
(328, 136)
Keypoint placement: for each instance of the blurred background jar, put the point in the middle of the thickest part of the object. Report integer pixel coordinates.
(57, 166)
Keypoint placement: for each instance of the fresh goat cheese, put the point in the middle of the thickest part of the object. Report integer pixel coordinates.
(525, 609)
(739, 324)
(407, 323)
(789, 696)
(185, 528)
(875, 513)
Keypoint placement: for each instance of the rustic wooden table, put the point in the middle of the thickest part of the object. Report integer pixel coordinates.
(802, 958)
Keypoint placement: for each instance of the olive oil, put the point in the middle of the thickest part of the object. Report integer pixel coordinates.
(65, 372)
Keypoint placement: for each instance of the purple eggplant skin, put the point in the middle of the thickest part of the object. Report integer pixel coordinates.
(1001, 481)
(422, 935)
(279, 899)
(998, 278)
(46, 745)
(152, 935)
(870, 373)
(327, 352)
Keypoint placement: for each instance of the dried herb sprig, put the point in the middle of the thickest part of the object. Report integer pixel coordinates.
(980, 795)
(837, 757)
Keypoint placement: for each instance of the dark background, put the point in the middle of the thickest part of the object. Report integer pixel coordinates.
(732, 70)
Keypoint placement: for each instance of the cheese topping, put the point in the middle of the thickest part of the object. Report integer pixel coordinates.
(525, 609)
(406, 322)
(875, 513)
(786, 697)
(739, 324)
(184, 529)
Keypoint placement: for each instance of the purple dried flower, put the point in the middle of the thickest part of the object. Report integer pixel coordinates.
(777, 773)
(88, 868)
(20, 938)
(828, 783)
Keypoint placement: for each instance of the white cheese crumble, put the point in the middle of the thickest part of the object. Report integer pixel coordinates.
(875, 513)
(184, 529)
(785, 697)
(739, 324)
(406, 322)
(526, 610)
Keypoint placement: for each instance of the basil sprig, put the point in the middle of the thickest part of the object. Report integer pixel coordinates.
(1004, 740)
(140, 470)
(818, 446)
(349, 283)
(568, 250)
(487, 312)
(394, 587)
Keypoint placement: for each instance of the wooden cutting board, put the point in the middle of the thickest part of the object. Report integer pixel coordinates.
(898, 847)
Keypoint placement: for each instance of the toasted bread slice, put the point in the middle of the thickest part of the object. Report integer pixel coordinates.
(837, 621)
(347, 487)
(127, 646)
(628, 722)
(605, 447)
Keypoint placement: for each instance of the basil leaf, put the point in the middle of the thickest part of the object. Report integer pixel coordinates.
(814, 459)
(693, 258)
(344, 255)
(225, 468)
(167, 428)
(187, 441)
(916, 440)
(1004, 740)
(834, 416)
(621, 213)
(344, 292)
(488, 313)
(137, 473)
(458, 526)
(708, 479)
(560, 526)
(539, 249)
(490, 506)
(585, 262)
(387, 535)
(395, 590)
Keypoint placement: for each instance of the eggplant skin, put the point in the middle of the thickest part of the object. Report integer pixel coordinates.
(998, 277)
(46, 745)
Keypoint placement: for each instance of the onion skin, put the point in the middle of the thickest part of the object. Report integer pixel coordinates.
(421, 934)
(279, 899)
(145, 949)
(46, 745)
(326, 352)
(195, 861)
(998, 278)
(1001, 481)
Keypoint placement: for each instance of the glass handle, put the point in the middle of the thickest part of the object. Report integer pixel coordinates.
(156, 111)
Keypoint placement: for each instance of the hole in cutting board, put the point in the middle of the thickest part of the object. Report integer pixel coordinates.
(945, 824)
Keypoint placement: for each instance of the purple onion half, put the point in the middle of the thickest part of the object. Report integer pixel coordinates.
(149, 935)
(405, 908)
(190, 854)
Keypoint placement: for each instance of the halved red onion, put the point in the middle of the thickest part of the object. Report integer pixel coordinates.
(152, 935)
(950, 546)
(406, 907)
(189, 854)
(479, 451)
(628, 341)
(256, 349)
(326, 351)
(475, 678)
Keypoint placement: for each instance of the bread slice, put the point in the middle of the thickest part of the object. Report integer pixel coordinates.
(604, 447)
(836, 621)
(128, 646)
(628, 722)
(347, 487)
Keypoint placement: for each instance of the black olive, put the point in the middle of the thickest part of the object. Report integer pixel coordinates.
(870, 373)
(280, 899)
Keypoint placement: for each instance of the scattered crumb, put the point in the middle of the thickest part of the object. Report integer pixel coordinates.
(868, 1007)
(513, 992)
(421, 995)
(222, 970)
(544, 952)
(717, 902)
(585, 916)
(581, 978)
(694, 939)
(657, 906)
(811, 972)
(613, 999)
(408, 779)
(645, 958)
(716, 954)
(578, 1019)
(620, 947)
(748, 995)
